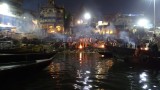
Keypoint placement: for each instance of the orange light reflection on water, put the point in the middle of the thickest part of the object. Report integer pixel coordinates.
(80, 58)
(80, 46)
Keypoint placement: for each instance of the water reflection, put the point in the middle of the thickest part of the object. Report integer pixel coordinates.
(147, 82)
(102, 68)
(83, 73)
(87, 71)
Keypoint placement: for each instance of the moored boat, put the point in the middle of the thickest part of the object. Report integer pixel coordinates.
(14, 64)
(25, 57)
(123, 52)
(146, 58)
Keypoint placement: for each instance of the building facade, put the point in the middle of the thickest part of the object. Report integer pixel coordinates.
(15, 22)
(52, 18)
(10, 16)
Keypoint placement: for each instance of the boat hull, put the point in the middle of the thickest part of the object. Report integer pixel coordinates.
(15, 58)
(21, 64)
(11, 70)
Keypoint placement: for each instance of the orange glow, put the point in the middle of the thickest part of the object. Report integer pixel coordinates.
(107, 32)
(111, 32)
(35, 22)
(80, 56)
(13, 29)
(58, 28)
(102, 46)
(80, 46)
(146, 49)
(52, 31)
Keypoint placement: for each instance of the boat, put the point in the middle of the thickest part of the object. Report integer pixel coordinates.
(14, 64)
(146, 58)
(118, 52)
(122, 52)
(24, 57)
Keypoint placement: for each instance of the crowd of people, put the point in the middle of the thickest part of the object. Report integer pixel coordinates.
(153, 48)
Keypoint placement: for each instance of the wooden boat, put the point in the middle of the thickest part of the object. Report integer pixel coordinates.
(118, 52)
(25, 57)
(24, 63)
(122, 52)
(146, 58)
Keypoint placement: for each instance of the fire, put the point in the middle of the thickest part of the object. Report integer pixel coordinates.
(80, 46)
(102, 46)
(145, 48)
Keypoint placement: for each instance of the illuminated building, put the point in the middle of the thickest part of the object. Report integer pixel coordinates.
(52, 18)
(126, 21)
(10, 12)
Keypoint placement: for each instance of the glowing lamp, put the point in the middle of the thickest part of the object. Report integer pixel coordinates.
(58, 28)
(102, 46)
(143, 23)
(87, 16)
(5, 10)
(100, 22)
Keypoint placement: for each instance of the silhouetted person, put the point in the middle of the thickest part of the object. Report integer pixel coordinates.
(153, 46)
(137, 51)
(154, 49)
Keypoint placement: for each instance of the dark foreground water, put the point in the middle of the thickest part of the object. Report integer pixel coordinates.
(85, 71)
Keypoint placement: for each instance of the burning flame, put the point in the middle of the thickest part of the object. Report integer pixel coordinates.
(146, 48)
(80, 46)
(102, 46)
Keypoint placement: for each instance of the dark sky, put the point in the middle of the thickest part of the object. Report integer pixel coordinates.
(102, 6)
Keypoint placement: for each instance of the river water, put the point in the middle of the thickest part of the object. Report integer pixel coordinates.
(86, 71)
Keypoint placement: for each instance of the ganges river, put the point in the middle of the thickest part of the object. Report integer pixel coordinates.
(85, 71)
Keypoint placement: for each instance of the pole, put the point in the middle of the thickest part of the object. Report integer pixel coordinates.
(154, 26)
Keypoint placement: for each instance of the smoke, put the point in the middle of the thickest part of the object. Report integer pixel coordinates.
(60, 36)
(111, 27)
(124, 36)
(29, 25)
(83, 31)
(26, 24)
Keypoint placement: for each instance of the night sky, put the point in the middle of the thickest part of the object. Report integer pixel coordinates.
(101, 6)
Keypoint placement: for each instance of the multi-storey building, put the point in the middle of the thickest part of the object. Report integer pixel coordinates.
(126, 21)
(52, 18)
(14, 19)
(10, 12)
